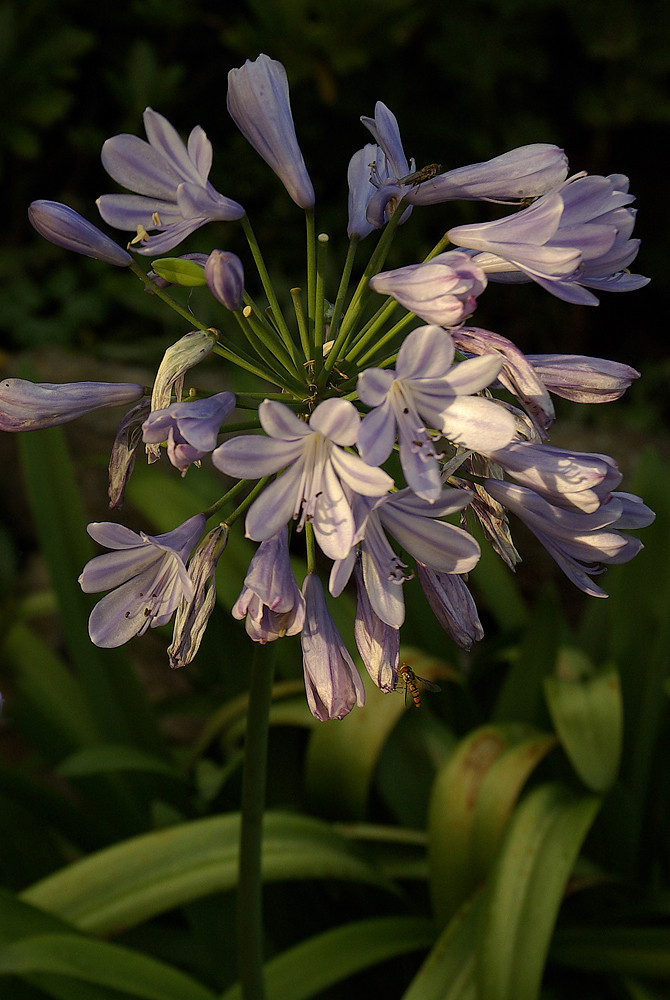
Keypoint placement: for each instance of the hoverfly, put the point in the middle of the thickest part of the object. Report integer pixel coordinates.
(411, 683)
(424, 174)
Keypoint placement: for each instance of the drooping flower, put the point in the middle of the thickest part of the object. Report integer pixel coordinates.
(573, 236)
(190, 428)
(61, 225)
(179, 358)
(124, 449)
(452, 604)
(378, 643)
(173, 195)
(332, 683)
(29, 406)
(259, 104)
(194, 613)
(146, 575)
(443, 290)
(224, 272)
(582, 379)
(582, 544)
(525, 172)
(426, 388)
(316, 467)
(271, 601)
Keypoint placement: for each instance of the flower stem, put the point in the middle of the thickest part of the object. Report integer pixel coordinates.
(321, 250)
(161, 294)
(311, 272)
(249, 910)
(337, 311)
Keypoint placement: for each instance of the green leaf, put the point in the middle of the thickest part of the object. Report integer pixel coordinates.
(472, 799)
(178, 271)
(630, 951)
(587, 712)
(325, 960)
(449, 971)
(101, 963)
(113, 757)
(522, 898)
(123, 885)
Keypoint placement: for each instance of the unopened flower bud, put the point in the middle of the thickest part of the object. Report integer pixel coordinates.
(225, 276)
(66, 228)
(29, 406)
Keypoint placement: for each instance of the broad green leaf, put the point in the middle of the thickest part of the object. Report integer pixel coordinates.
(523, 895)
(587, 712)
(630, 951)
(20, 920)
(123, 885)
(448, 973)
(178, 271)
(109, 965)
(111, 757)
(471, 802)
(323, 961)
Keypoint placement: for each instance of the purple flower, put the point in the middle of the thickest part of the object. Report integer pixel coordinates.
(122, 458)
(582, 544)
(427, 388)
(225, 276)
(332, 683)
(66, 228)
(190, 428)
(414, 523)
(173, 195)
(378, 643)
(574, 236)
(517, 374)
(194, 612)
(259, 104)
(28, 406)
(361, 189)
(526, 172)
(452, 605)
(146, 575)
(270, 600)
(316, 466)
(568, 479)
(582, 379)
(443, 291)
(389, 168)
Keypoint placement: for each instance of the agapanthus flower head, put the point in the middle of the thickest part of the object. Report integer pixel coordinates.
(61, 225)
(332, 683)
(173, 195)
(259, 104)
(146, 575)
(224, 272)
(575, 235)
(582, 543)
(29, 406)
(271, 602)
(317, 465)
(194, 612)
(190, 429)
(442, 291)
(427, 390)
(525, 172)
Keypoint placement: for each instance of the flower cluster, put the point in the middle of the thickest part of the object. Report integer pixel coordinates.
(381, 443)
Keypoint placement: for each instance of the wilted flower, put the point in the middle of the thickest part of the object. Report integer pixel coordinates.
(190, 429)
(443, 291)
(126, 442)
(332, 683)
(187, 352)
(311, 487)
(66, 228)
(193, 613)
(526, 172)
(582, 544)
(225, 276)
(173, 195)
(452, 604)
(259, 104)
(147, 577)
(427, 388)
(28, 406)
(270, 600)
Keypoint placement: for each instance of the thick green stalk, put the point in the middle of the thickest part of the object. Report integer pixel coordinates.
(249, 910)
(334, 333)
